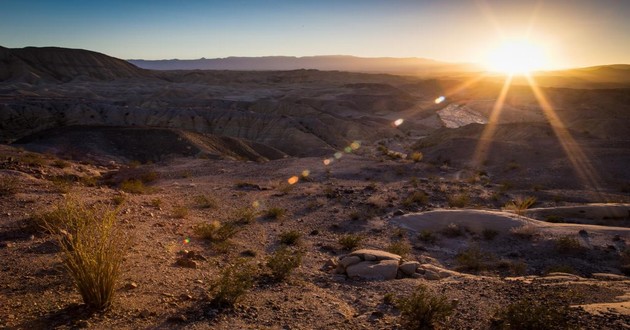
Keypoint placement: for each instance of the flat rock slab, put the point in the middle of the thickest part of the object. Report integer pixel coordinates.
(374, 255)
(374, 270)
(610, 277)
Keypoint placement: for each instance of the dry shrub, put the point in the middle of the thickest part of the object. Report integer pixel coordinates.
(424, 309)
(134, 186)
(459, 200)
(427, 236)
(472, 259)
(205, 202)
(216, 231)
(275, 213)
(290, 237)
(452, 230)
(568, 245)
(9, 186)
(527, 231)
(180, 211)
(233, 282)
(350, 242)
(245, 215)
(416, 197)
(283, 262)
(401, 248)
(416, 156)
(93, 249)
(534, 313)
(520, 204)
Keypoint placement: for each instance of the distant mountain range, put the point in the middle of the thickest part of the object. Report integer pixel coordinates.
(409, 66)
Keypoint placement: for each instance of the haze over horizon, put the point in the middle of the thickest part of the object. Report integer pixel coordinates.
(569, 33)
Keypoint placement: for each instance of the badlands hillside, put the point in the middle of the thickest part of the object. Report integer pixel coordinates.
(316, 199)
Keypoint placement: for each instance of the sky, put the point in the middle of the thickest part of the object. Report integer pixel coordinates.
(571, 33)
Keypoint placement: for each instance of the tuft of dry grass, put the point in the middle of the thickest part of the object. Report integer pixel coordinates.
(283, 262)
(527, 231)
(290, 237)
(520, 204)
(9, 186)
(216, 231)
(275, 213)
(350, 242)
(180, 211)
(452, 230)
(93, 249)
(417, 197)
(205, 202)
(401, 248)
(459, 200)
(423, 309)
(233, 282)
(134, 186)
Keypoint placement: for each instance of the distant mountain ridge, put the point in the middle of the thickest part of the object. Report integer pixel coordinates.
(410, 65)
(36, 64)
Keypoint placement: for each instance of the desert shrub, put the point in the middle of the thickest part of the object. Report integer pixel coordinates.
(459, 200)
(134, 186)
(452, 230)
(244, 215)
(275, 213)
(89, 181)
(149, 176)
(399, 233)
(233, 282)
(527, 231)
(350, 242)
(282, 262)
(471, 259)
(156, 202)
(180, 211)
(93, 249)
(534, 314)
(32, 159)
(416, 197)
(62, 183)
(416, 156)
(512, 267)
(205, 202)
(520, 204)
(60, 163)
(216, 231)
(401, 248)
(427, 236)
(119, 199)
(567, 245)
(9, 186)
(560, 268)
(290, 237)
(489, 234)
(424, 309)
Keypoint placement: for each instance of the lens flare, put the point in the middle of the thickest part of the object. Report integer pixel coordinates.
(398, 122)
(327, 161)
(293, 180)
(338, 155)
(306, 173)
(440, 99)
(186, 240)
(256, 204)
(355, 145)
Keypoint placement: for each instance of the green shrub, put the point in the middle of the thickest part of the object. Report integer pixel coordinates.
(283, 262)
(205, 202)
(275, 213)
(416, 197)
(9, 186)
(93, 249)
(427, 236)
(568, 245)
(471, 259)
(233, 282)
(533, 314)
(401, 248)
(489, 234)
(290, 237)
(134, 186)
(424, 310)
(216, 231)
(452, 230)
(180, 211)
(520, 204)
(350, 242)
(459, 200)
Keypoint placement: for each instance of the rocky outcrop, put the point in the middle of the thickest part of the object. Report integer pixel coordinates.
(380, 265)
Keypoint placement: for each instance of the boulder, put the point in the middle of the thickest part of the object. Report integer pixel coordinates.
(367, 254)
(431, 275)
(371, 270)
(409, 267)
(349, 261)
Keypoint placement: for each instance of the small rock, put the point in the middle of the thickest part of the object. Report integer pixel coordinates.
(431, 275)
(131, 285)
(144, 314)
(409, 267)
(399, 213)
(186, 263)
(81, 324)
(330, 264)
(177, 318)
(349, 260)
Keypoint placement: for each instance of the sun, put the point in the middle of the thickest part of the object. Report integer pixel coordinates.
(516, 57)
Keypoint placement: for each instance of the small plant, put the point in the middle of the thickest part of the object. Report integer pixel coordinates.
(60, 163)
(156, 202)
(93, 249)
(9, 186)
(533, 314)
(134, 186)
(119, 199)
(416, 156)
(389, 298)
(350, 242)
(416, 197)
(245, 215)
(149, 176)
(62, 183)
(283, 262)
(290, 237)
(568, 245)
(275, 213)
(489, 234)
(180, 211)
(452, 231)
(401, 248)
(216, 231)
(32, 159)
(527, 231)
(233, 282)
(459, 200)
(89, 181)
(471, 259)
(520, 204)
(427, 236)
(424, 310)
(205, 202)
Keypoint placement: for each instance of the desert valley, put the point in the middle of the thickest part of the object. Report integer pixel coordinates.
(301, 198)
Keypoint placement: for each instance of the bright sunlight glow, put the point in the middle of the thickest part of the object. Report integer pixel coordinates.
(516, 57)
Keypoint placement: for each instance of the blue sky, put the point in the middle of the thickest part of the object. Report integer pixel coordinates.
(573, 32)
